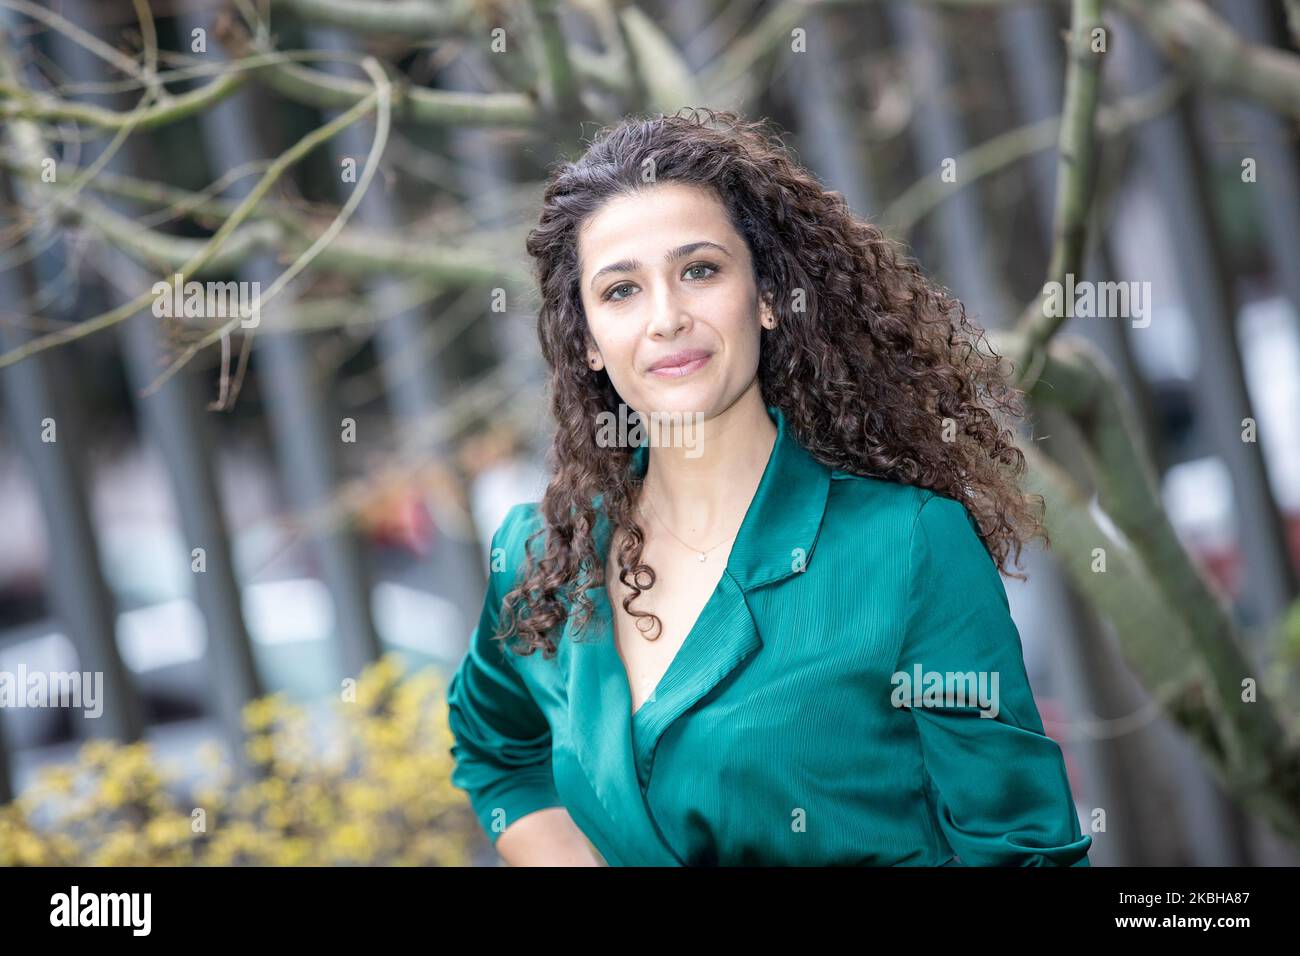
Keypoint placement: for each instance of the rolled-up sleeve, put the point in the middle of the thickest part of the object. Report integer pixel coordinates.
(998, 783)
(502, 741)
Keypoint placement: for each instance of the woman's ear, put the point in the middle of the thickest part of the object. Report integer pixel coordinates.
(594, 360)
(766, 317)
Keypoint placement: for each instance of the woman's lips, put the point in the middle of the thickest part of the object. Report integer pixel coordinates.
(684, 363)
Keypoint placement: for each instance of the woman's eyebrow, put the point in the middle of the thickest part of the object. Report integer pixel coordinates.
(623, 265)
(683, 251)
(631, 265)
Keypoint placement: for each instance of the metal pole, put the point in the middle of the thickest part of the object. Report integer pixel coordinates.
(39, 403)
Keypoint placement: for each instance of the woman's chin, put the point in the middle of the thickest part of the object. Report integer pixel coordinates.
(679, 401)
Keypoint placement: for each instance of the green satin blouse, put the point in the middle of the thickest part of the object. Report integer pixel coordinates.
(784, 732)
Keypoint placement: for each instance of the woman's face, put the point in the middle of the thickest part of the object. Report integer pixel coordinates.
(671, 305)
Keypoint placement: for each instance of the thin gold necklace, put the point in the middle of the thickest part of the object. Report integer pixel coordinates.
(701, 556)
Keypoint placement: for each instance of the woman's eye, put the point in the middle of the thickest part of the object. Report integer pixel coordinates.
(701, 270)
(612, 294)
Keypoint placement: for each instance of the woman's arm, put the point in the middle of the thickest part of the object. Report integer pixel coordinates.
(502, 742)
(547, 838)
(998, 782)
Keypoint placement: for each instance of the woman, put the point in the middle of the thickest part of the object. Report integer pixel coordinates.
(776, 634)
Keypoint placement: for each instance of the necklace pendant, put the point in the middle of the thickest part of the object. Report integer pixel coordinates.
(703, 555)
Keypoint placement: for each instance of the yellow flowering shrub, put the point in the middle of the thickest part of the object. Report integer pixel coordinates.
(373, 790)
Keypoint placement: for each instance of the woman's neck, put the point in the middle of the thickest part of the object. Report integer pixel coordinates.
(702, 492)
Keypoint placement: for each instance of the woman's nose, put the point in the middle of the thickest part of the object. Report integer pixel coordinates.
(669, 314)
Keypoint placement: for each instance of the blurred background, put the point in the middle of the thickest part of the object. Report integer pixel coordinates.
(207, 512)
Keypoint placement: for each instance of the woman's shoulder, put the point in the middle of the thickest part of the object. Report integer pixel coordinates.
(879, 503)
(510, 538)
(519, 522)
(898, 512)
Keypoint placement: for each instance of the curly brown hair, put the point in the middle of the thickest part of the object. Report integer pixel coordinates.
(866, 372)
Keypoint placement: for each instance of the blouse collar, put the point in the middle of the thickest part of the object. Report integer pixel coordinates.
(778, 533)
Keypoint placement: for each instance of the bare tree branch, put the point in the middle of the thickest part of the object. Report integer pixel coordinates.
(356, 252)
(411, 103)
(210, 247)
(1152, 637)
(1073, 179)
(1191, 33)
(1248, 747)
(995, 154)
(667, 80)
(278, 228)
(179, 201)
(420, 18)
(38, 106)
(769, 33)
(383, 102)
(561, 82)
(88, 41)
